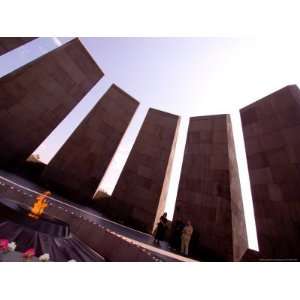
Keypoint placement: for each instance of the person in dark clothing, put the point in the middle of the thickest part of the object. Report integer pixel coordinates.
(161, 229)
(176, 237)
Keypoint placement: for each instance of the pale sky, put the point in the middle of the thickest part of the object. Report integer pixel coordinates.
(184, 76)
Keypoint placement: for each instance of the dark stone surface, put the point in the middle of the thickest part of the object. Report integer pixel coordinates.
(10, 43)
(18, 213)
(60, 249)
(209, 191)
(239, 231)
(35, 98)
(271, 128)
(140, 194)
(78, 167)
(24, 192)
(104, 241)
(251, 256)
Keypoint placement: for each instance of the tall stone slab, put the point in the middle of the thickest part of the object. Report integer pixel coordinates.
(10, 43)
(78, 167)
(209, 192)
(239, 230)
(271, 128)
(140, 194)
(35, 98)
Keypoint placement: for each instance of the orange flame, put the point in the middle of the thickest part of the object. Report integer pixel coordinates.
(39, 205)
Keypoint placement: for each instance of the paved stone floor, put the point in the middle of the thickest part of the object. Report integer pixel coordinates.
(141, 239)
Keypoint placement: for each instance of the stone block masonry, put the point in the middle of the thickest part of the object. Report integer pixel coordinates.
(10, 43)
(209, 191)
(35, 98)
(140, 194)
(78, 167)
(271, 128)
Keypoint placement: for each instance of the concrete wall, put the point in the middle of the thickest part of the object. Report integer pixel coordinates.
(140, 194)
(35, 98)
(78, 167)
(10, 43)
(209, 192)
(271, 128)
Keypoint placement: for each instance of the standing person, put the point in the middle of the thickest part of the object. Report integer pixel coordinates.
(176, 237)
(161, 229)
(186, 237)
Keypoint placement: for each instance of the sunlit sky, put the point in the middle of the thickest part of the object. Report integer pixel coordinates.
(184, 76)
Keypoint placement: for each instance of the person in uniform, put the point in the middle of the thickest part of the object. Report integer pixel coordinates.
(186, 237)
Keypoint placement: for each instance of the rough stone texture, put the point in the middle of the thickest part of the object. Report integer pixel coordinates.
(140, 194)
(10, 43)
(35, 98)
(209, 190)
(78, 167)
(271, 128)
